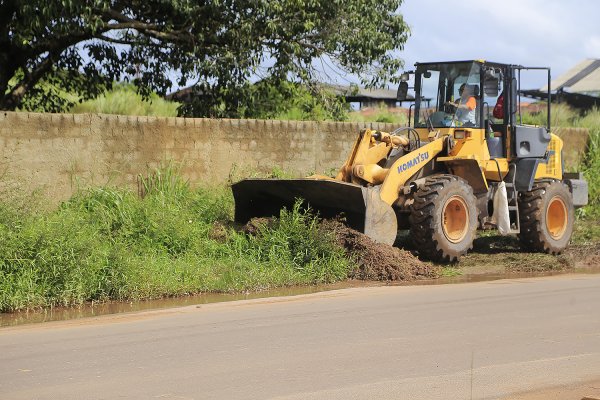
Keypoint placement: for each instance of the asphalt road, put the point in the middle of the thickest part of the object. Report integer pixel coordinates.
(485, 340)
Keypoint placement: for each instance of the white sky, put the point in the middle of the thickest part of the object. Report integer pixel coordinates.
(548, 33)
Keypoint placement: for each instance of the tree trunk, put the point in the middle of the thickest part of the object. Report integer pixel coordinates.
(8, 68)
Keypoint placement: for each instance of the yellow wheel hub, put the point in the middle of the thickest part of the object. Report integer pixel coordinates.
(556, 217)
(455, 219)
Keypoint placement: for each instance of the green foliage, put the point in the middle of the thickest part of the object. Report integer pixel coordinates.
(109, 244)
(591, 167)
(379, 114)
(288, 101)
(297, 240)
(561, 115)
(82, 47)
(124, 100)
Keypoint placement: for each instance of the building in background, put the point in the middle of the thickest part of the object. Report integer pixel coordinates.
(579, 87)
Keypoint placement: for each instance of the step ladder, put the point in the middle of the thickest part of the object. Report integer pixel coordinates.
(512, 195)
(513, 207)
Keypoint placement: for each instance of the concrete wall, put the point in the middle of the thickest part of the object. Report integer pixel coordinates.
(58, 152)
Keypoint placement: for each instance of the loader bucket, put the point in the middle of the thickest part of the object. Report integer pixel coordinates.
(362, 207)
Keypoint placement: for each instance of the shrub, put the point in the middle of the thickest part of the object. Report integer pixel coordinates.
(109, 244)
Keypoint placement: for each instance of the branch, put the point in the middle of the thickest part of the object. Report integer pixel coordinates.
(29, 80)
(57, 45)
(153, 30)
(115, 41)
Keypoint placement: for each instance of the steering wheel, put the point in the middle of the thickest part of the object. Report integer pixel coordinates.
(411, 134)
(449, 107)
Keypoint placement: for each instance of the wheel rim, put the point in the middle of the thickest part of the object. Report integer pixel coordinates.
(556, 217)
(455, 219)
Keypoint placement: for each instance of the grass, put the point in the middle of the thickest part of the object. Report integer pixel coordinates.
(379, 114)
(123, 100)
(110, 244)
(563, 116)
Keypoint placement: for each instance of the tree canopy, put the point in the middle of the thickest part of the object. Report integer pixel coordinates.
(219, 46)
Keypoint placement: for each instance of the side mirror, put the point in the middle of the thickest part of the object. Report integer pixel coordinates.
(402, 94)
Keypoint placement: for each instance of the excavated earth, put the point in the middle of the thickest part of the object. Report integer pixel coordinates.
(375, 261)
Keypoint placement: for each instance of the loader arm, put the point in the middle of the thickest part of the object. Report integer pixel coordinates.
(407, 166)
(366, 150)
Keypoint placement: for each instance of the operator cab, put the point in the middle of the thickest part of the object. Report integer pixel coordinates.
(464, 94)
(450, 95)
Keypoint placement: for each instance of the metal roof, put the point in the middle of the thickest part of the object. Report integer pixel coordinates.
(582, 78)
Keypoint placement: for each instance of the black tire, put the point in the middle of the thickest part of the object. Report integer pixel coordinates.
(437, 197)
(540, 213)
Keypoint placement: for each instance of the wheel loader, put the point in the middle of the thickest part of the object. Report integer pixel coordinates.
(465, 161)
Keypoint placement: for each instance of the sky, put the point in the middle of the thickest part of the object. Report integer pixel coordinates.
(547, 33)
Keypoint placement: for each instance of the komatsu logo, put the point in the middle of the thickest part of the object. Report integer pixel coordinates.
(415, 161)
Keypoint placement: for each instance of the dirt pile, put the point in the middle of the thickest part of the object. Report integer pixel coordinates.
(375, 261)
(583, 256)
(254, 226)
(378, 261)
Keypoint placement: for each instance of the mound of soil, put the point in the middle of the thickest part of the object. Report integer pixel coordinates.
(256, 224)
(375, 261)
(378, 261)
(583, 256)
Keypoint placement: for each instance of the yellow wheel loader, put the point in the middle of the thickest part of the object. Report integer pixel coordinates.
(465, 162)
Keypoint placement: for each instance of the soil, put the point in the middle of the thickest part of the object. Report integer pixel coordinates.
(491, 254)
(583, 256)
(254, 226)
(375, 261)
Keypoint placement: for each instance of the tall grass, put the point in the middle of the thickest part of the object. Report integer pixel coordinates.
(110, 244)
(591, 165)
(124, 100)
(379, 114)
(563, 115)
(560, 115)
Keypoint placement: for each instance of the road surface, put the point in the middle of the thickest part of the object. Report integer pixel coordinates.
(517, 339)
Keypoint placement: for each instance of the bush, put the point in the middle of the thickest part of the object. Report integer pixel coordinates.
(108, 244)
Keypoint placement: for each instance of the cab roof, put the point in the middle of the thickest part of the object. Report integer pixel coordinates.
(480, 61)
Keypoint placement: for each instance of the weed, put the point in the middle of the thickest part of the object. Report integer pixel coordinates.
(450, 271)
(109, 244)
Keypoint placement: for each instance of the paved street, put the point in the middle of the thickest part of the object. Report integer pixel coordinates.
(486, 340)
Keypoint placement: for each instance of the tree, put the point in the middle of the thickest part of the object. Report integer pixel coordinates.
(285, 100)
(82, 47)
